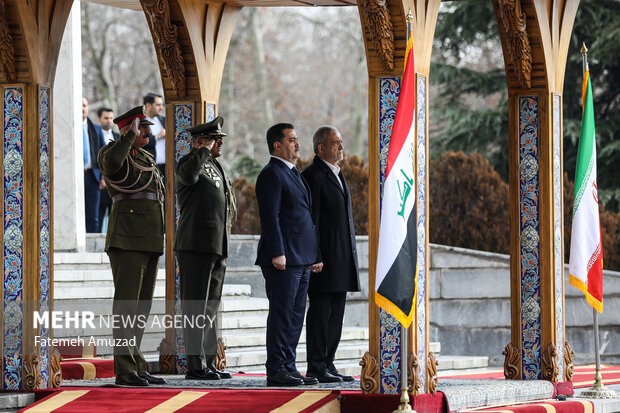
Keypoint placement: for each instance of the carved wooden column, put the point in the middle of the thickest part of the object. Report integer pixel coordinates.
(535, 36)
(191, 40)
(384, 27)
(30, 37)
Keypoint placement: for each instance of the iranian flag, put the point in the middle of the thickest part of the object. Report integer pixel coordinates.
(586, 246)
(396, 276)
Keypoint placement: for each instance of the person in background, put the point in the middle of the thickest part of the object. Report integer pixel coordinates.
(154, 105)
(93, 141)
(105, 117)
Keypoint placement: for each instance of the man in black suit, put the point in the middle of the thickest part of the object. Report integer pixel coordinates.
(105, 116)
(327, 293)
(287, 251)
(207, 202)
(92, 139)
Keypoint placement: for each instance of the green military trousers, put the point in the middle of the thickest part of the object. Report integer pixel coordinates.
(202, 281)
(134, 274)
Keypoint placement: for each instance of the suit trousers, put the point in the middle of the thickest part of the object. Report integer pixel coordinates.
(323, 330)
(134, 274)
(105, 205)
(202, 282)
(91, 201)
(286, 291)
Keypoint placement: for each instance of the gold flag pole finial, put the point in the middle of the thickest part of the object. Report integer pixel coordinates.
(584, 49)
(409, 16)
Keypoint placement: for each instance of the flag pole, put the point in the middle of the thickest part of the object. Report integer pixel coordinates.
(598, 390)
(404, 387)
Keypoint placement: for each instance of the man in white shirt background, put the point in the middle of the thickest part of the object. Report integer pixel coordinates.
(154, 105)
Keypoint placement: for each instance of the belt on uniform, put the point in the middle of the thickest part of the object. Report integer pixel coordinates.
(152, 196)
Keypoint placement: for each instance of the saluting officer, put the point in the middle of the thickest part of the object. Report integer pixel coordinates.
(207, 203)
(134, 240)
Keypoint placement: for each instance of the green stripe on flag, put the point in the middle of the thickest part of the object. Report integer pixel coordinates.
(585, 155)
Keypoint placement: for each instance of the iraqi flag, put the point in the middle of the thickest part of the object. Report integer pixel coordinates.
(586, 246)
(397, 274)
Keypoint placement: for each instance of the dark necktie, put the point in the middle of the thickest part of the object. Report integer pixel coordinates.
(297, 175)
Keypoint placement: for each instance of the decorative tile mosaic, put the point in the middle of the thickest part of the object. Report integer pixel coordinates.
(13, 248)
(557, 232)
(210, 112)
(529, 226)
(389, 88)
(421, 210)
(182, 145)
(389, 327)
(44, 223)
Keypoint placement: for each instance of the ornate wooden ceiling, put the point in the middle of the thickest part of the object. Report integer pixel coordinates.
(135, 4)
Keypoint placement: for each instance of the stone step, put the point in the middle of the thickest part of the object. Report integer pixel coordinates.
(245, 304)
(254, 358)
(258, 338)
(14, 401)
(98, 284)
(447, 362)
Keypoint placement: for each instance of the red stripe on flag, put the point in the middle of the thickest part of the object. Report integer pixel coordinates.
(403, 120)
(595, 278)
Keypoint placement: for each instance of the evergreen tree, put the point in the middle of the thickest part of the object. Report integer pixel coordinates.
(471, 111)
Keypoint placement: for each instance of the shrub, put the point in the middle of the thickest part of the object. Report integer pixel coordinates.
(469, 203)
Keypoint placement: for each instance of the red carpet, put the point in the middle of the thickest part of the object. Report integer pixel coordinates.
(86, 368)
(582, 377)
(182, 401)
(356, 402)
(546, 407)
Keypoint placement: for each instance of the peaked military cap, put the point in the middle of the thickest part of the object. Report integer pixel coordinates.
(209, 130)
(128, 117)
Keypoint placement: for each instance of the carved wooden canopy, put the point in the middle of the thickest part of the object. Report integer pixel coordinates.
(135, 4)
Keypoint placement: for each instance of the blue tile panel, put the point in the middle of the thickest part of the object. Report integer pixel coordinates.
(421, 210)
(389, 327)
(210, 112)
(529, 230)
(44, 224)
(183, 115)
(557, 232)
(13, 236)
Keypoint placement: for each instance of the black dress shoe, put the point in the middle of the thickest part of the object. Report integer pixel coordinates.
(130, 379)
(342, 376)
(201, 375)
(151, 379)
(307, 380)
(283, 378)
(223, 374)
(325, 377)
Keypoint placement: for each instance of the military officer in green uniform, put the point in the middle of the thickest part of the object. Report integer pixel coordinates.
(207, 203)
(134, 241)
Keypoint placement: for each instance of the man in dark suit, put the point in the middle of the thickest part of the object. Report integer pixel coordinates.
(134, 241)
(93, 141)
(207, 202)
(287, 250)
(327, 293)
(105, 117)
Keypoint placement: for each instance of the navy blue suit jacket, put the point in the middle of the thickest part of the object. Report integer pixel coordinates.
(96, 141)
(285, 209)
